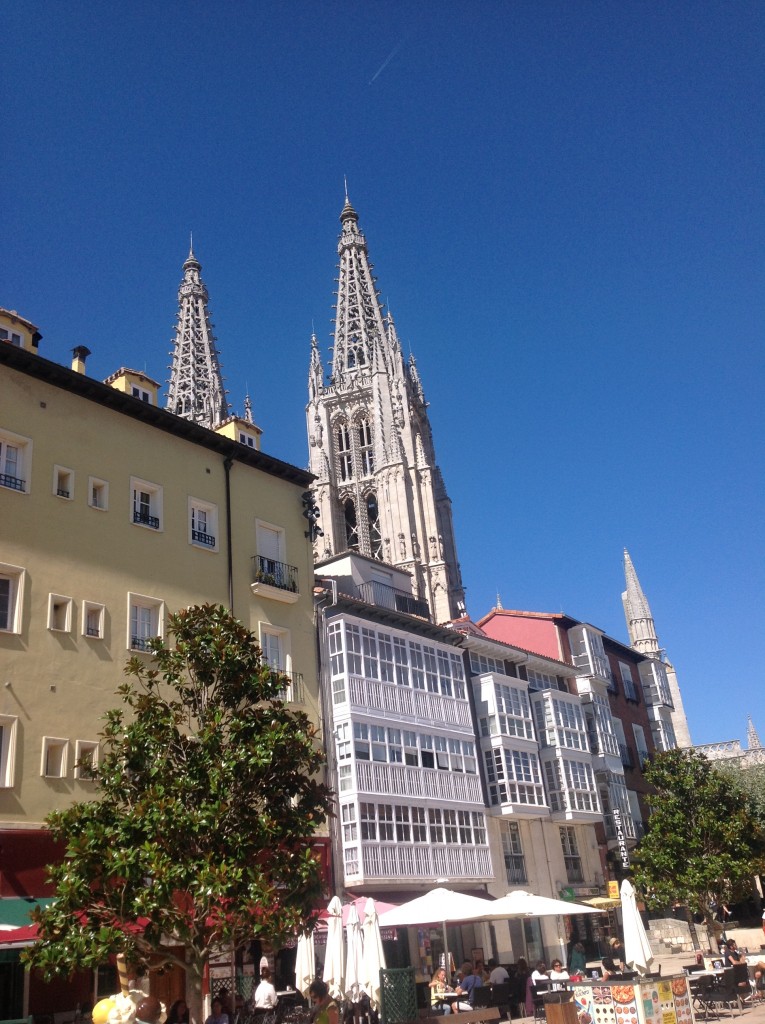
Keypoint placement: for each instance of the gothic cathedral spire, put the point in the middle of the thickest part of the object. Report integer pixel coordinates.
(196, 389)
(643, 638)
(378, 487)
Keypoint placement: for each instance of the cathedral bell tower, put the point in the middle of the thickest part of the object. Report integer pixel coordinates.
(377, 486)
(196, 389)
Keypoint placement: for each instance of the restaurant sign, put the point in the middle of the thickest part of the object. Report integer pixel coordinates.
(621, 839)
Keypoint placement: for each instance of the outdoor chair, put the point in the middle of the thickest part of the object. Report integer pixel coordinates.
(502, 998)
(741, 980)
(482, 997)
(725, 993)
(700, 989)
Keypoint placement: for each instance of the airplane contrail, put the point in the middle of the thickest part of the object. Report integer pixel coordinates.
(387, 60)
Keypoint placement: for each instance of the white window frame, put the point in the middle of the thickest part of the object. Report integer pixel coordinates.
(49, 744)
(60, 613)
(136, 391)
(8, 729)
(154, 492)
(11, 337)
(260, 526)
(82, 747)
(197, 505)
(87, 608)
(156, 605)
(63, 482)
(16, 576)
(103, 486)
(23, 463)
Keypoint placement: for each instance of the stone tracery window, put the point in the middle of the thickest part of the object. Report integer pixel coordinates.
(366, 449)
(356, 355)
(344, 454)
(373, 518)
(351, 526)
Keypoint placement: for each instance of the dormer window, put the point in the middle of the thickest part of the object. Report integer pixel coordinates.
(141, 394)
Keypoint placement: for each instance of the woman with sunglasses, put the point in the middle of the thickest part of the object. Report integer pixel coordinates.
(557, 973)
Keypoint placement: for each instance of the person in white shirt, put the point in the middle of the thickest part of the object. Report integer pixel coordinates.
(265, 993)
(558, 973)
(539, 973)
(498, 975)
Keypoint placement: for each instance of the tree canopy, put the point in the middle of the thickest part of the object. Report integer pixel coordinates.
(704, 841)
(208, 795)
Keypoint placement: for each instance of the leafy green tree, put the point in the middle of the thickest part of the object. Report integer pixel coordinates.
(208, 796)
(703, 842)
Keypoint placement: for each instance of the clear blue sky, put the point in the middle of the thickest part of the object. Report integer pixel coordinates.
(564, 205)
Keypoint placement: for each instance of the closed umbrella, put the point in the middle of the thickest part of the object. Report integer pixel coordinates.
(305, 963)
(354, 955)
(374, 957)
(333, 957)
(637, 949)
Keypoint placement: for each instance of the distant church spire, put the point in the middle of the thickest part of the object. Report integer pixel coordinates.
(378, 486)
(643, 638)
(752, 739)
(195, 389)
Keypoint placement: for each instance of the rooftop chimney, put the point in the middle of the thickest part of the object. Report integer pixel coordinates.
(79, 355)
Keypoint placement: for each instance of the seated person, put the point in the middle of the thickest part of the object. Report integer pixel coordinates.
(558, 973)
(608, 968)
(467, 988)
(578, 960)
(438, 987)
(497, 973)
(732, 954)
(539, 973)
(265, 993)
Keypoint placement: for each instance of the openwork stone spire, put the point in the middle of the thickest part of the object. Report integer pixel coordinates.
(643, 638)
(196, 389)
(752, 739)
(378, 486)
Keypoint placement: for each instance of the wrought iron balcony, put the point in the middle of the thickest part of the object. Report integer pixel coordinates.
(140, 643)
(93, 631)
(203, 538)
(62, 493)
(384, 596)
(16, 484)
(270, 573)
(292, 686)
(626, 755)
(144, 519)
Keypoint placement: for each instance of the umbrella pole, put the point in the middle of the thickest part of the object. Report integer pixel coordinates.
(446, 956)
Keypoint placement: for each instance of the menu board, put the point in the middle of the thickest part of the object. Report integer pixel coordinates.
(665, 1001)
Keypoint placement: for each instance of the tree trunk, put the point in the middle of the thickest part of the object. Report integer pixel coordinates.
(194, 997)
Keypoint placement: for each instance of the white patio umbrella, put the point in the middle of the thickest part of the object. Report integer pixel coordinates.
(354, 955)
(520, 903)
(439, 906)
(305, 963)
(374, 956)
(637, 949)
(333, 957)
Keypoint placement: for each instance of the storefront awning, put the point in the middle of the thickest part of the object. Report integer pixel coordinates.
(16, 912)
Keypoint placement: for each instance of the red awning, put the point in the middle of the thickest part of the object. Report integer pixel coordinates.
(18, 936)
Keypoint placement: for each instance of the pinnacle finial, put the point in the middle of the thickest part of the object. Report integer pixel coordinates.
(348, 212)
(248, 408)
(752, 739)
(498, 605)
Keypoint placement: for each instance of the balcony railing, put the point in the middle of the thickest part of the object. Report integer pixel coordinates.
(274, 574)
(14, 482)
(383, 596)
(62, 493)
(626, 755)
(203, 538)
(293, 691)
(422, 861)
(140, 643)
(422, 704)
(146, 520)
(407, 780)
